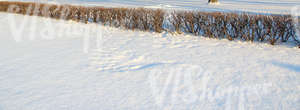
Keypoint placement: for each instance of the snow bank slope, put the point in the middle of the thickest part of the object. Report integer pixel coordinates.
(138, 70)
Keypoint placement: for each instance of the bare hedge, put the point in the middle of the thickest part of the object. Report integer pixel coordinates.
(246, 27)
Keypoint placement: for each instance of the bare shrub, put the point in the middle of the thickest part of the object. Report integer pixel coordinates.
(158, 17)
(262, 28)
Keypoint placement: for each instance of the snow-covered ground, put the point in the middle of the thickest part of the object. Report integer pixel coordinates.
(66, 68)
(257, 6)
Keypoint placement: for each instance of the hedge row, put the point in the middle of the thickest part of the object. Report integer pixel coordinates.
(263, 28)
(245, 27)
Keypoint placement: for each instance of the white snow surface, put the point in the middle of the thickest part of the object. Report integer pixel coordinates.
(256, 6)
(130, 69)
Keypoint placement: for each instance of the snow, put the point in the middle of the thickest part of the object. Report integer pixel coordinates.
(257, 6)
(62, 67)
